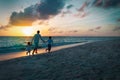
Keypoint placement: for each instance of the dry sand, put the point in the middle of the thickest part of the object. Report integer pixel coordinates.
(92, 61)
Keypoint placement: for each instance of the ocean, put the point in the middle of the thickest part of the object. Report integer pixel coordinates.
(15, 44)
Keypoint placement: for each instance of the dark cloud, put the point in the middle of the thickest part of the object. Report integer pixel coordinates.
(49, 8)
(1, 27)
(43, 11)
(117, 28)
(106, 3)
(99, 27)
(23, 18)
(73, 31)
(91, 29)
(95, 29)
(4, 27)
(55, 30)
(69, 6)
(118, 20)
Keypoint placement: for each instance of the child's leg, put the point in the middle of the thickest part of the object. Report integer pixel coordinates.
(46, 49)
(33, 51)
(27, 53)
(49, 48)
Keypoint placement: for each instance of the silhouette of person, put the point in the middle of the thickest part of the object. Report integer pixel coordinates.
(28, 48)
(49, 44)
(36, 39)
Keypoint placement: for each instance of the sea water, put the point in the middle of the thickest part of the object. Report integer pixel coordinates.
(13, 44)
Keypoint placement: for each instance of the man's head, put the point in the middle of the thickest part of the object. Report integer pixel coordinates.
(50, 37)
(38, 31)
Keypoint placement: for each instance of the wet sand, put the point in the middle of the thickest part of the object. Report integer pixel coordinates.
(40, 51)
(92, 61)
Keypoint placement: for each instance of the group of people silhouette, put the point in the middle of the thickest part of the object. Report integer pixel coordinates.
(35, 40)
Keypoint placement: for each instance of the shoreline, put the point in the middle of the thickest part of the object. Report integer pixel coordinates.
(19, 54)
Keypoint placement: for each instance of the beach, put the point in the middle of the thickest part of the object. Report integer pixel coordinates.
(92, 61)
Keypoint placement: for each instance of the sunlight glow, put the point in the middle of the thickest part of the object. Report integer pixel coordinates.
(27, 31)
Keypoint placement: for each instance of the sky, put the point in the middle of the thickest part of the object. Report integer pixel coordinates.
(60, 17)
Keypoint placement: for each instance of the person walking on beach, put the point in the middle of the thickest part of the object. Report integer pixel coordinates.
(28, 48)
(49, 44)
(36, 39)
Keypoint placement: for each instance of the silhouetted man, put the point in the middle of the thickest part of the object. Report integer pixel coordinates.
(36, 39)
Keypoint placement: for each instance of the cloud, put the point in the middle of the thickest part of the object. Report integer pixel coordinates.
(99, 27)
(81, 11)
(49, 8)
(40, 22)
(55, 30)
(91, 29)
(84, 5)
(59, 32)
(95, 29)
(80, 15)
(43, 11)
(1, 27)
(4, 27)
(52, 29)
(118, 20)
(117, 28)
(65, 12)
(106, 3)
(73, 31)
(69, 6)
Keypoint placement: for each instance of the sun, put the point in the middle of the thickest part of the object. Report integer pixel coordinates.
(27, 31)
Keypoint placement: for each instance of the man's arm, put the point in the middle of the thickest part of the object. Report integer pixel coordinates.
(52, 42)
(32, 39)
(41, 38)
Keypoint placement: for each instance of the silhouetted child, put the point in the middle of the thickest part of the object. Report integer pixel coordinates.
(28, 48)
(49, 44)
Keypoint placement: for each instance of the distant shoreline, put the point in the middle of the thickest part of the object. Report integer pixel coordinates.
(62, 36)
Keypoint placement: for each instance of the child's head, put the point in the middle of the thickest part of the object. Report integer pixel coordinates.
(28, 43)
(50, 37)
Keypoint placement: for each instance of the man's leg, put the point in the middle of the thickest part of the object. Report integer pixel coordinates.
(33, 51)
(36, 50)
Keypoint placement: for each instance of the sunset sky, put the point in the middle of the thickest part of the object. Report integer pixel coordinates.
(60, 17)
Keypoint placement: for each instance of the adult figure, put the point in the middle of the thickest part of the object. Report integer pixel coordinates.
(36, 39)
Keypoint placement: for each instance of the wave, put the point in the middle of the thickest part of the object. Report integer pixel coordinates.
(13, 44)
(21, 47)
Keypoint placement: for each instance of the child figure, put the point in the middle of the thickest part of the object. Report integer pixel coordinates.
(49, 44)
(28, 48)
